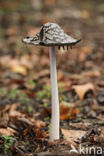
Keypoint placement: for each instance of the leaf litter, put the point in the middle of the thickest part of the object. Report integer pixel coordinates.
(25, 99)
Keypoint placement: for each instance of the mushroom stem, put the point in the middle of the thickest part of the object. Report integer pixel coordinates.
(54, 128)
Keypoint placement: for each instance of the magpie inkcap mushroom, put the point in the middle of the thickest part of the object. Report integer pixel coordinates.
(51, 35)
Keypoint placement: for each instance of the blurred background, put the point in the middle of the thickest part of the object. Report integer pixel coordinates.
(22, 66)
(25, 76)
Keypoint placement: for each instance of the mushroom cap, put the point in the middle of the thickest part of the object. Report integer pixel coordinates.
(51, 34)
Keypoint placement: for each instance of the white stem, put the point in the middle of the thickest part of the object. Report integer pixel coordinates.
(54, 128)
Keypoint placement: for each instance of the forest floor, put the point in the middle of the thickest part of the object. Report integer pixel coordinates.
(25, 97)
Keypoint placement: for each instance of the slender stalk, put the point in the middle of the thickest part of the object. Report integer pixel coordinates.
(54, 128)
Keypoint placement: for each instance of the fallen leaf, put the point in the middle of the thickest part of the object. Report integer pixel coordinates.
(61, 76)
(4, 120)
(82, 89)
(101, 83)
(47, 111)
(49, 3)
(25, 121)
(26, 59)
(81, 126)
(5, 60)
(7, 131)
(44, 61)
(40, 134)
(84, 53)
(99, 138)
(9, 5)
(11, 31)
(90, 134)
(91, 73)
(67, 111)
(67, 142)
(33, 31)
(27, 130)
(13, 112)
(85, 14)
(75, 77)
(30, 94)
(74, 134)
(40, 123)
(5, 108)
(65, 85)
(42, 74)
(13, 107)
(19, 69)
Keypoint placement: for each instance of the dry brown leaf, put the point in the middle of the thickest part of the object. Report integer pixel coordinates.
(91, 73)
(26, 59)
(41, 74)
(27, 130)
(9, 5)
(49, 3)
(65, 85)
(75, 77)
(99, 138)
(83, 53)
(11, 31)
(25, 121)
(13, 107)
(74, 134)
(82, 89)
(36, 115)
(30, 94)
(5, 108)
(19, 69)
(86, 50)
(44, 61)
(7, 131)
(46, 20)
(4, 120)
(40, 134)
(5, 61)
(67, 142)
(11, 130)
(33, 31)
(67, 111)
(61, 76)
(85, 14)
(15, 114)
(81, 126)
(40, 123)
(47, 111)
(101, 83)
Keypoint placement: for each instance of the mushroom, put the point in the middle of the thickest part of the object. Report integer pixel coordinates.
(52, 35)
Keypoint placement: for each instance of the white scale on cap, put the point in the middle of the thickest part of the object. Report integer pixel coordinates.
(51, 34)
